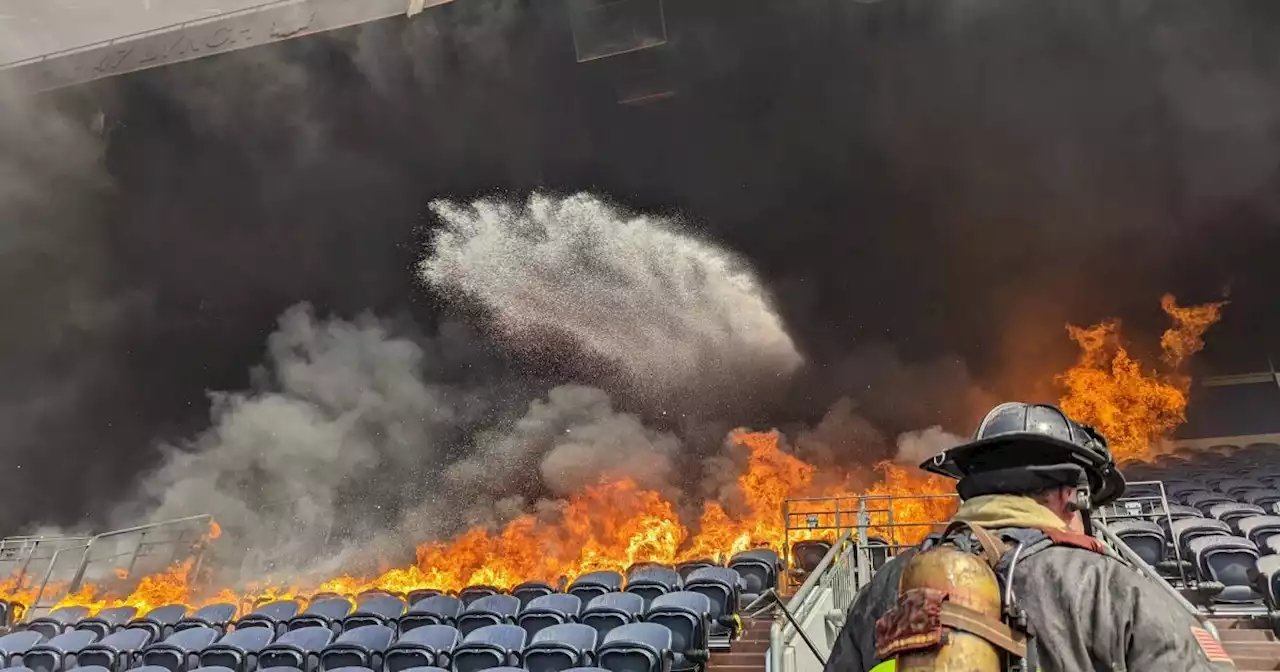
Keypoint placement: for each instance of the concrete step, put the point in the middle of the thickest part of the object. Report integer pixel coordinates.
(1246, 635)
(750, 646)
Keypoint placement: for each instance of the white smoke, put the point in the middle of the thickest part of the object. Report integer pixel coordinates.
(917, 446)
(673, 313)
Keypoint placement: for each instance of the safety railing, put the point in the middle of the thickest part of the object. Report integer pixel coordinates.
(27, 558)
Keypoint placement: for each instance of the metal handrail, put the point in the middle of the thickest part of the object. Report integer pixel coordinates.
(778, 631)
(84, 562)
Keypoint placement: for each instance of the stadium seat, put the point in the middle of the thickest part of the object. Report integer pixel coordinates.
(1144, 537)
(549, 610)
(52, 655)
(107, 621)
(722, 586)
(58, 621)
(758, 569)
(1232, 487)
(298, 648)
(688, 567)
(561, 647)
(376, 610)
(1205, 500)
(1229, 561)
(161, 620)
(215, 616)
(326, 613)
(1185, 530)
(472, 593)
(352, 668)
(531, 590)
(434, 610)
(637, 647)
(280, 668)
(1259, 529)
(488, 610)
(488, 647)
(879, 551)
(688, 616)
(651, 581)
(358, 647)
(181, 650)
(1231, 513)
(14, 644)
(1266, 580)
(115, 651)
(808, 554)
(425, 646)
(1264, 497)
(238, 650)
(425, 668)
(612, 610)
(593, 584)
(147, 668)
(416, 596)
(273, 615)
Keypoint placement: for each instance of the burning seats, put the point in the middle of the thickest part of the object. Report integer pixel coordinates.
(549, 610)
(1227, 560)
(238, 650)
(52, 655)
(650, 581)
(488, 610)
(531, 590)
(593, 584)
(561, 647)
(434, 610)
(363, 646)
(14, 644)
(807, 555)
(116, 651)
(375, 610)
(488, 647)
(160, 621)
(688, 616)
(181, 650)
(299, 649)
(215, 616)
(423, 646)
(275, 615)
(612, 610)
(325, 613)
(637, 647)
(58, 621)
(108, 620)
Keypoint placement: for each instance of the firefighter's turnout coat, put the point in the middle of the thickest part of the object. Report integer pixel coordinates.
(1088, 611)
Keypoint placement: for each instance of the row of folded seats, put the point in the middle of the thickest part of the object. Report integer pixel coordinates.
(688, 602)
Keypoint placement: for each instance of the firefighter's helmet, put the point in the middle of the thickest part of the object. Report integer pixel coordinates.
(1020, 447)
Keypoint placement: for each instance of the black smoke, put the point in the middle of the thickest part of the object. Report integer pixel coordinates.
(930, 190)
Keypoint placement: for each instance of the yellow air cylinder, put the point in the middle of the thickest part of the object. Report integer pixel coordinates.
(969, 582)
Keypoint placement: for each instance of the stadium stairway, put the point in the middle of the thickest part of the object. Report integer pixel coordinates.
(1250, 643)
(747, 653)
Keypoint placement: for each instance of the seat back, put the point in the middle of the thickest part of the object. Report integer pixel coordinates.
(238, 650)
(611, 610)
(325, 613)
(270, 615)
(416, 596)
(1230, 561)
(719, 584)
(758, 569)
(807, 555)
(490, 646)
(108, 620)
(1144, 537)
(488, 610)
(636, 647)
(593, 584)
(115, 650)
(58, 621)
(181, 650)
(1259, 529)
(561, 647)
(211, 616)
(297, 648)
(359, 647)
(650, 581)
(423, 646)
(549, 610)
(161, 620)
(14, 644)
(434, 610)
(531, 590)
(376, 610)
(472, 593)
(50, 656)
(687, 615)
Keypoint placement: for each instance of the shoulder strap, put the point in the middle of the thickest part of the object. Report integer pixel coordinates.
(993, 549)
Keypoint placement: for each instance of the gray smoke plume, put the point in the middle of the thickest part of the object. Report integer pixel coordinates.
(675, 315)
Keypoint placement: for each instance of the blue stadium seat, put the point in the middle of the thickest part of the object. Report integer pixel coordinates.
(650, 581)
(531, 590)
(637, 647)
(181, 650)
(326, 613)
(549, 610)
(1190, 528)
(721, 585)
(14, 644)
(161, 620)
(434, 610)
(215, 616)
(358, 647)
(488, 647)
(1231, 513)
(1230, 561)
(274, 615)
(416, 596)
(808, 554)
(423, 646)
(488, 610)
(612, 610)
(52, 655)
(561, 647)
(690, 566)
(688, 616)
(58, 621)
(472, 593)
(238, 650)
(298, 648)
(758, 569)
(592, 584)
(1259, 529)
(115, 651)
(108, 620)
(1143, 536)
(376, 610)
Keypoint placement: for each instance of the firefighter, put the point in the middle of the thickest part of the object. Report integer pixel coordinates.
(1019, 479)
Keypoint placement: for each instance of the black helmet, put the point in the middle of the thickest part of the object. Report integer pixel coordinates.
(1021, 447)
